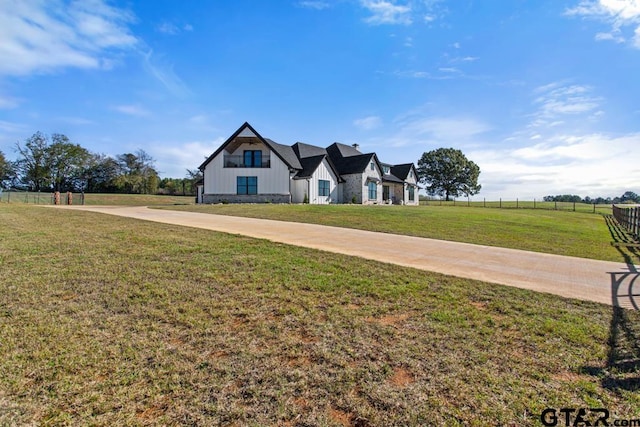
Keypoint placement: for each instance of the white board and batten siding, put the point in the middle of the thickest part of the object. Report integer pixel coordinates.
(411, 179)
(376, 174)
(272, 180)
(324, 172)
(310, 186)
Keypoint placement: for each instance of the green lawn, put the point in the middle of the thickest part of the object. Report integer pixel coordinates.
(113, 321)
(35, 198)
(579, 234)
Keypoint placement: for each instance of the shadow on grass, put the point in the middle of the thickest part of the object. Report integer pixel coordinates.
(624, 242)
(622, 371)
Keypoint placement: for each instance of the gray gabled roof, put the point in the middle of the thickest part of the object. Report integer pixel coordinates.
(343, 150)
(392, 178)
(401, 171)
(309, 166)
(284, 152)
(303, 150)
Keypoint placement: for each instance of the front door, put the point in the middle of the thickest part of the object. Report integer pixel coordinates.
(385, 192)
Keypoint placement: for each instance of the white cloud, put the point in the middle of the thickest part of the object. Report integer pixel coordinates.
(417, 129)
(449, 130)
(368, 123)
(172, 29)
(620, 14)
(387, 12)
(7, 102)
(159, 68)
(610, 36)
(41, 36)
(168, 28)
(556, 100)
(314, 4)
(413, 74)
(587, 165)
(173, 159)
(132, 110)
(10, 127)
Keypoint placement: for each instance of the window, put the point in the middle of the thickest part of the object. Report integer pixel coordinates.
(372, 166)
(412, 195)
(247, 184)
(385, 169)
(252, 159)
(323, 187)
(373, 191)
(410, 174)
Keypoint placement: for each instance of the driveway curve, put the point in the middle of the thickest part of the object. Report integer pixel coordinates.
(591, 280)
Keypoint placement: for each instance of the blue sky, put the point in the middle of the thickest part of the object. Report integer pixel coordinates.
(543, 95)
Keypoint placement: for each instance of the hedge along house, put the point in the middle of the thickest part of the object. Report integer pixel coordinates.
(248, 168)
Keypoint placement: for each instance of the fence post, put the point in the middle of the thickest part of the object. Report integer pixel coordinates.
(500, 202)
(534, 203)
(484, 202)
(574, 206)
(517, 203)
(555, 205)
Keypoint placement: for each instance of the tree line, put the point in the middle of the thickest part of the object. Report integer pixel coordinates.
(627, 197)
(56, 164)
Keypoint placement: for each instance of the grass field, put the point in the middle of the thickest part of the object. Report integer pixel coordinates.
(585, 235)
(95, 199)
(523, 204)
(112, 321)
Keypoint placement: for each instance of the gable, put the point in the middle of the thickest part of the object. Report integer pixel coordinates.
(246, 133)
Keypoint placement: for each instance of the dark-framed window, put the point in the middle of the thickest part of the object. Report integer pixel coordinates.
(247, 185)
(252, 159)
(373, 190)
(372, 166)
(412, 194)
(324, 187)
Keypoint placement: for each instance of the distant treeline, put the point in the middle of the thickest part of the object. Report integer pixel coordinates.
(627, 197)
(56, 164)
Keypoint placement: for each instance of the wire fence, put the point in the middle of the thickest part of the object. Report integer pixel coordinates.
(48, 198)
(40, 197)
(629, 217)
(522, 204)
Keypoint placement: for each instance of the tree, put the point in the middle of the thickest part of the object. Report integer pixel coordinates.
(630, 197)
(101, 174)
(67, 163)
(54, 163)
(6, 170)
(448, 172)
(32, 163)
(138, 173)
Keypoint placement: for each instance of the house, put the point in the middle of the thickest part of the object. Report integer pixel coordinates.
(248, 168)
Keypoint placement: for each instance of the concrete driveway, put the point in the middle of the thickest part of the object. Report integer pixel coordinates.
(600, 281)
